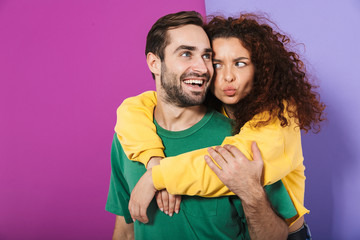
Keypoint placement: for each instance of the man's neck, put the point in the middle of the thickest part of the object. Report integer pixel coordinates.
(174, 118)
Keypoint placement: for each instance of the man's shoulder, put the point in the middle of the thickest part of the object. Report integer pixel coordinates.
(218, 120)
(148, 98)
(219, 115)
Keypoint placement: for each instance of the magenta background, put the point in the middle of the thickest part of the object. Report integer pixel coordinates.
(330, 31)
(65, 66)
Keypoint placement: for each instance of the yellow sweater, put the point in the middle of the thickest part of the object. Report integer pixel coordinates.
(188, 173)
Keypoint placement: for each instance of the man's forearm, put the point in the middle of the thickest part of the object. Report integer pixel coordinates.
(122, 230)
(263, 222)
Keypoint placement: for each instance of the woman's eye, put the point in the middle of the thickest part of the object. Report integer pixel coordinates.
(216, 65)
(240, 64)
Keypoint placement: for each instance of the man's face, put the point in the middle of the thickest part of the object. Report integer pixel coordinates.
(187, 68)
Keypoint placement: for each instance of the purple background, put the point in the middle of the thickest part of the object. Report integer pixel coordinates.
(65, 66)
(330, 31)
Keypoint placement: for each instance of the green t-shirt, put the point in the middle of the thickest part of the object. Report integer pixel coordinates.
(199, 218)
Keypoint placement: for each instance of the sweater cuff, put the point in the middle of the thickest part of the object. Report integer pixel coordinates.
(158, 178)
(145, 156)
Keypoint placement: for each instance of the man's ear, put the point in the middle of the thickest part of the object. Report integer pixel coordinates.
(154, 63)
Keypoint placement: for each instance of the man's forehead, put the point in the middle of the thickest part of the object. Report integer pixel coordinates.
(188, 35)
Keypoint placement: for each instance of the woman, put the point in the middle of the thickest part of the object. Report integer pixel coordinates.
(260, 84)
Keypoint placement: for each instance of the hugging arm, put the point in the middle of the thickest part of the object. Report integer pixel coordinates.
(135, 128)
(142, 143)
(262, 221)
(280, 149)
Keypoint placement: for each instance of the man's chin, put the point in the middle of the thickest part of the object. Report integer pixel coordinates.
(196, 99)
(191, 101)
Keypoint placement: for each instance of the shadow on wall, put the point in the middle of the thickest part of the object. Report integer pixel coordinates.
(327, 157)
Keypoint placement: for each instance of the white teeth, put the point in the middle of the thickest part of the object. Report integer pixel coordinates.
(200, 82)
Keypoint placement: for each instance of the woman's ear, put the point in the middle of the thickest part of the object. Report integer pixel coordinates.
(154, 63)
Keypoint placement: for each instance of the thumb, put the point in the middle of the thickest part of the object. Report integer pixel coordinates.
(256, 152)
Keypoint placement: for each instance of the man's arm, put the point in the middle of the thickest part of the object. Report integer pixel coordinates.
(122, 230)
(263, 222)
(119, 194)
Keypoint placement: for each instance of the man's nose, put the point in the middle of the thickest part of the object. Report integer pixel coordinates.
(199, 65)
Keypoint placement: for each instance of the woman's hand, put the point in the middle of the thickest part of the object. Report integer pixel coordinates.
(141, 196)
(237, 172)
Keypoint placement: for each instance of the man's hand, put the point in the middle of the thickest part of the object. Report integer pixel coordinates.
(141, 196)
(238, 173)
(166, 202)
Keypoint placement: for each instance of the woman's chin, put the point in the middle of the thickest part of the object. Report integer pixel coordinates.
(227, 101)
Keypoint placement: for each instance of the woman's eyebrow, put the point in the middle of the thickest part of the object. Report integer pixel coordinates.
(241, 58)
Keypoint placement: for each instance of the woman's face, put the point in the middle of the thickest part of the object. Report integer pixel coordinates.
(234, 71)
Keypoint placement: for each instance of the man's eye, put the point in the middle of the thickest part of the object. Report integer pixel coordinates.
(186, 54)
(207, 56)
(217, 65)
(240, 64)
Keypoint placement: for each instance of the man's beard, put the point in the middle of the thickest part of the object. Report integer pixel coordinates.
(174, 91)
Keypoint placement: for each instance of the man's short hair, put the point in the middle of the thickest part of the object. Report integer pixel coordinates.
(157, 38)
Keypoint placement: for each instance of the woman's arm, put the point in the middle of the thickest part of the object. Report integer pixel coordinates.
(188, 174)
(194, 177)
(135, 118)
(135, 128)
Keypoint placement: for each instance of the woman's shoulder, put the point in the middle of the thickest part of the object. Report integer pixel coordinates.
(272, 119)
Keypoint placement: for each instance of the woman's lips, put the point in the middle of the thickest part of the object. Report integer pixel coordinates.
(229, 92)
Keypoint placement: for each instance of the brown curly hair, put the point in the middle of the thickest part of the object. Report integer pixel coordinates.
(280, 82)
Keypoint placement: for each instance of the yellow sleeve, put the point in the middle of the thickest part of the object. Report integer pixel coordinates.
(280, 149)
(135, 128)
(194, 177)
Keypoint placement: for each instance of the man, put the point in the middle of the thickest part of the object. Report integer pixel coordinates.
(179, 57)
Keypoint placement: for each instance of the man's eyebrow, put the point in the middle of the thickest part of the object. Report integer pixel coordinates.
(185, 47)
(208, 50)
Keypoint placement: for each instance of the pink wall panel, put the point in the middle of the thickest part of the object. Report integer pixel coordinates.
(65, 66)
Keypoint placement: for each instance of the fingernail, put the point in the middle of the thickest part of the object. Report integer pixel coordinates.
(161, 209)
(166, 212)
(170, 214)
(177, 211)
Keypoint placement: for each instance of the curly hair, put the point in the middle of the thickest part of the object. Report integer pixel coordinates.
(281, 85)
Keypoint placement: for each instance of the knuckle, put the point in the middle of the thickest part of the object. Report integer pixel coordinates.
(165, 196)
